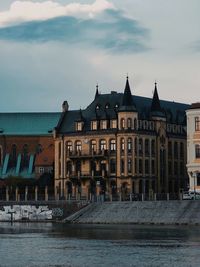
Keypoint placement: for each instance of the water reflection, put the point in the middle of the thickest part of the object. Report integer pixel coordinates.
(23, 244)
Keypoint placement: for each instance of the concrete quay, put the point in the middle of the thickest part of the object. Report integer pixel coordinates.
(144, 212)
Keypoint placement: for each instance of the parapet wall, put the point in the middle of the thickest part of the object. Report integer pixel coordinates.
(145, 212)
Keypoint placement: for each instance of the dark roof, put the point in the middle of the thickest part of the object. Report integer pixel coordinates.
(195, 106)
(38, 123)
(109, 104)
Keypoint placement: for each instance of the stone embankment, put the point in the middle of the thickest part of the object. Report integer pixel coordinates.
(144, 212)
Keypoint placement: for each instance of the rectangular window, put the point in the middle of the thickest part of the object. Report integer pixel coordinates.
(153, 166)
(103, 124)
(79, 126)
(94, 125)
(113, 124)
(197, 151)
(170, 167)
(175, 168)
(146, 166)
(197, 123)
(140, 166)
(198, 179)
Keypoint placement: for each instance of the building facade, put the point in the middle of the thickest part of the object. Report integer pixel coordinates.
(193, 146)
(26, 149)
(121, 144)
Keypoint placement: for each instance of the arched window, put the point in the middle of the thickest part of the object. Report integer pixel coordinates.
(93, 146)
(129, 165)
(102, 145)
(68, 147)
(78, 146)
(129, 144)
(122, 145)
(25, 155)
(122, 123)
(112, 145)
(129, 123)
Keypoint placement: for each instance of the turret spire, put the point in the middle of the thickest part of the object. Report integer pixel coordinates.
(97, 91)
(127, 97)
(155, 105)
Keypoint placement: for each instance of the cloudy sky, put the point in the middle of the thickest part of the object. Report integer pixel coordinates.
(57, 50)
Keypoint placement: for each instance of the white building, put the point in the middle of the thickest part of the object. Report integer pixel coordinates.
(193, 146)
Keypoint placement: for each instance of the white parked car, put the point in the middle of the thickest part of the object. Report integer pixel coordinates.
(186, 196)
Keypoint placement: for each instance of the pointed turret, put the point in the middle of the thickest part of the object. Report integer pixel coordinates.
(155, 105)
(127, 101)
(97, 91)
(156, 109)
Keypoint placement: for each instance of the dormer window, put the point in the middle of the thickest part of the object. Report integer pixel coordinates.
(79, 126)
(97, 107)
(103, 124)
(113, 124)
(107, 106)
(116, 105)
(94, 125)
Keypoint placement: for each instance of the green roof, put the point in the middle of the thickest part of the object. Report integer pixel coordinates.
(35, 123)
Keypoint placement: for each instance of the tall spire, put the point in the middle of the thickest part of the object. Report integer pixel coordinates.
(127, 100)
(127, 97)
(155, 105)
(97, 91)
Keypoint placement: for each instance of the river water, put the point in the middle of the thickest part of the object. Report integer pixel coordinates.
(48, 244)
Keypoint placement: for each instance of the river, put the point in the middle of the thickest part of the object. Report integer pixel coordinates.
(51, 244)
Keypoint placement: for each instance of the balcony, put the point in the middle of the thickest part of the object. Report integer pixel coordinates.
(88, 154)
(92, 174)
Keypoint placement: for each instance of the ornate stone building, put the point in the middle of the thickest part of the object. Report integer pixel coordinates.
(121, 144)
(193, 146)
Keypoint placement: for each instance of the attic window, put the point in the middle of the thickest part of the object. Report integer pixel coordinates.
(79, 126)
(107, 106)
(116, 105)
(97, 107)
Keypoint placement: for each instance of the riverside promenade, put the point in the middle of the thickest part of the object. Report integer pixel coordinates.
(139, 212)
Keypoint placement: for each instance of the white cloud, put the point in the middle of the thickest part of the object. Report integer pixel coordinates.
(22, 11)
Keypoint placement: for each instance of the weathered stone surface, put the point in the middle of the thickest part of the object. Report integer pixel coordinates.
(157, 212)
